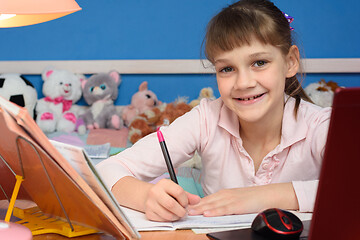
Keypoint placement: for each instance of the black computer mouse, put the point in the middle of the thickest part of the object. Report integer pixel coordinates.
(275, 223)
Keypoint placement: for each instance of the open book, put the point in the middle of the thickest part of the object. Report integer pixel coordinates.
(63, 184)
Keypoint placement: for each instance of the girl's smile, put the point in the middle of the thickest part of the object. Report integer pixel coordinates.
(250, 99)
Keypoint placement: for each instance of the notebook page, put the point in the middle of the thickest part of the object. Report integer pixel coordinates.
(141, 223)
(200, 221)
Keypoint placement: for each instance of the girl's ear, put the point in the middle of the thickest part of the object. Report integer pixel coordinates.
(293, 61)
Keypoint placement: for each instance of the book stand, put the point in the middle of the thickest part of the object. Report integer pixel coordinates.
(34, 218)
(65, 186)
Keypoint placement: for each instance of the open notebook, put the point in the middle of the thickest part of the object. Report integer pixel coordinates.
(199, 224)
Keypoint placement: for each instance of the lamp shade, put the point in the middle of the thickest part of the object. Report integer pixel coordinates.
(16, 13)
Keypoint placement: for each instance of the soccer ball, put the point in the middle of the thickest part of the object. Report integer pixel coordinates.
(15, 88)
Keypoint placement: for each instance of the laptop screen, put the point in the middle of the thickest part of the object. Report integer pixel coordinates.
(337, 207)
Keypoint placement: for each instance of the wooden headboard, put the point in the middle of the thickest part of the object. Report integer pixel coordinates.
(167, 66)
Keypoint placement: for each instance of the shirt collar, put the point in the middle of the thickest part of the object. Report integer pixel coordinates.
(293, 130)
(229, 121)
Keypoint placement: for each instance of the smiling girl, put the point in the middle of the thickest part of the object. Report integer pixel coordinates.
(261, 143)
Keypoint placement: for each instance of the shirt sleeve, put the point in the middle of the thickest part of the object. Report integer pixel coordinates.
(306, 194)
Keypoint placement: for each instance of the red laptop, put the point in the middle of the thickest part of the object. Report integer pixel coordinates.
(337, 207)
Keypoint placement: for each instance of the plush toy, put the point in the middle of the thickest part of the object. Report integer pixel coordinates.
(322, 92)
(144, 123)
(171, 112)
(152, 119)
(17, 89)
(57, 110)
(204, 93)
(141, 101)
(100, 91)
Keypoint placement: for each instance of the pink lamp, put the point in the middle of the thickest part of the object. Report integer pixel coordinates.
(16, 13)
(14, 231)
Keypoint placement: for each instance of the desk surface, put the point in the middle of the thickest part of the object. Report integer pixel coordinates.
(158, 235)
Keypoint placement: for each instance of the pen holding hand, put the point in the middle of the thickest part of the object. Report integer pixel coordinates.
(168, 201)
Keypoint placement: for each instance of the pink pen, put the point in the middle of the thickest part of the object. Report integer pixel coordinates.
(166, 156)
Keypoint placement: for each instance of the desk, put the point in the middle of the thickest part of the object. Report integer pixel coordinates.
(158, 235)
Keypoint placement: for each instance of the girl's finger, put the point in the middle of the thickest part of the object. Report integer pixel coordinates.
(171, 204)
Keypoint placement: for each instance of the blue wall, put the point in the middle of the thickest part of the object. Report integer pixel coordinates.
(169, 29)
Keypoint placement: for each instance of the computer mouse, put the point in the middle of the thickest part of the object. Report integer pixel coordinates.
(275, 223)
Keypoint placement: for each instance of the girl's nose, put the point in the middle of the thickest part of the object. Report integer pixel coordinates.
(244, 80)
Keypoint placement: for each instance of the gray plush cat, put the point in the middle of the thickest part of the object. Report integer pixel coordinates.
(100, 91)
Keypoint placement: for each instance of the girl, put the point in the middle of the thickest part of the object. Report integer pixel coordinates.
(260, 143)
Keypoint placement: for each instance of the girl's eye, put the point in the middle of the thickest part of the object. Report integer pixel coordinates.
(103, 86)
(259, 63)
(227, 69)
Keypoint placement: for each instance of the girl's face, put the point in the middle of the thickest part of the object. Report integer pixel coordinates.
(251, 80)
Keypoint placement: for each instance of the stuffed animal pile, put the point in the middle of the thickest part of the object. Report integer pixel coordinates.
(100, 91)
(57, 110)
(322, 92)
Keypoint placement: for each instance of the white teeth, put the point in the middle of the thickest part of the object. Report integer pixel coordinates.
(248, 99)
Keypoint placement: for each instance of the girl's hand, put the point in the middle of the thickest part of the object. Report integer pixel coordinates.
(246, 200)
(167, 201)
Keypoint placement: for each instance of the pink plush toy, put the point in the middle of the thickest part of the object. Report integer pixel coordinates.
(141, 101)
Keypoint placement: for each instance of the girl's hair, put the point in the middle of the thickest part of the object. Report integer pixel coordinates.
(240, 22)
